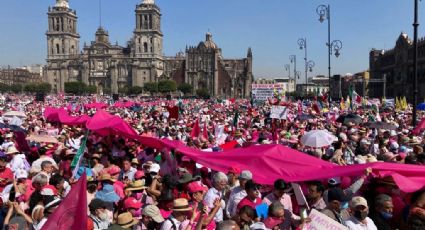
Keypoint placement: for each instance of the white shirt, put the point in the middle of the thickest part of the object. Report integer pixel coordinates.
(17, 163)
(36, 165)
(168, 224)
(130, 173)
(209, 199)
(353, 224)
(235, 197)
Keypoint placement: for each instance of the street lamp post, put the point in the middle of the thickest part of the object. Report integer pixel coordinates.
(293, 59)
(325, 14)
(302, 42)
(415, 63)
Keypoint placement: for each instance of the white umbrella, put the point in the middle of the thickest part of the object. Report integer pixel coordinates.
(12, 114)
(318, 138)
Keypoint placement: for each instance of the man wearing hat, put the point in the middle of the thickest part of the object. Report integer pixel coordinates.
(180, 212)
(335, 208)
(107, 193)
(125, 221)
(151, 218)
(359, 219)
(98, 214)
(238, 193)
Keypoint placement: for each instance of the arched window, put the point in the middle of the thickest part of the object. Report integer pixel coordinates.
(145, 47)
(57, 49)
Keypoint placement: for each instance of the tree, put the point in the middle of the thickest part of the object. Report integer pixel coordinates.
(185, 88)
(134, 90)
(91, 89)
(151, 87)
(44, 88)
(166, 86)
(203, 93)
(15, 88)
(4, 88)
(123, 90)
(75, 87)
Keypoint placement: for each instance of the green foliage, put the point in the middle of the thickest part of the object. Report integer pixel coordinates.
(185, 88)
(15, 88)
(38, 88)
(167, 86)
(91, 89)
(134, 90)
(79, 88)
(151, 87)
(123, 90)
(75, 87)
(203, 93)
(4, 88)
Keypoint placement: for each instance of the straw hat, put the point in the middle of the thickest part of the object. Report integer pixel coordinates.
(106, 177)
(136, 185)
(12, 150)
(181, 205)
(126, 220)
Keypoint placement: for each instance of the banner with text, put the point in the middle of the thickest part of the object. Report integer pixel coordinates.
(279, 112)
(320, 221)
(261, 92)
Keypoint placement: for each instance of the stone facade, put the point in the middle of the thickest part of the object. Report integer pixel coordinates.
(113, 67)
(19, 76)
(391, 71)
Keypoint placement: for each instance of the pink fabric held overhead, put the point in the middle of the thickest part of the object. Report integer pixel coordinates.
(106, 124)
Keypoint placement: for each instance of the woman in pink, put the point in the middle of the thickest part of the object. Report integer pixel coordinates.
(198, 191)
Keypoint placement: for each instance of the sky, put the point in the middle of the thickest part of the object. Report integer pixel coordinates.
(270, 27)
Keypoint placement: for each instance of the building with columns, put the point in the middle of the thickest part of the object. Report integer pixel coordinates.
(111, 67)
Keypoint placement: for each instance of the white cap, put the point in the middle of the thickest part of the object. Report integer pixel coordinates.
(154, 168)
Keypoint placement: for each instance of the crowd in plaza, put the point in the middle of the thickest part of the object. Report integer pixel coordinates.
(148, 163)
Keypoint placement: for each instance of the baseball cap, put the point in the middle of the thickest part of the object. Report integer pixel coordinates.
(280, 184)
(334, 181)
(153, 212)
(196, 186)
(357, 201)
(246, 174)
(131, 202)
(154, 168)
(337, 194)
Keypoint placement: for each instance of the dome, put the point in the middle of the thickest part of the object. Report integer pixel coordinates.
(148, 2)
(62, 3)
(209, 43)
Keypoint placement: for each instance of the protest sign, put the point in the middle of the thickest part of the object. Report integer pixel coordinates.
(320, 221)
(279, 112)
(299, 195)
(261, 92)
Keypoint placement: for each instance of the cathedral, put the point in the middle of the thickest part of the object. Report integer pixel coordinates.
(111, 67)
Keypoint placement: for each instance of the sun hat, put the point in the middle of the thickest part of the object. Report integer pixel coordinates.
(106, 177)
(131, 202)
(153, 212)
(12, 150)
(136, 185)
(196, 186)
(186, 178)
(126, 220)
(135, 161)
(181, 205)
(357, 201)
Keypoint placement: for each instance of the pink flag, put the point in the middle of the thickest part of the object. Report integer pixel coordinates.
(205, 131)
(195, 130)
(72, 212)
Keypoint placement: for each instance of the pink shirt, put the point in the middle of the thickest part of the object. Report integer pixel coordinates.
(245, 201)
(285, 200)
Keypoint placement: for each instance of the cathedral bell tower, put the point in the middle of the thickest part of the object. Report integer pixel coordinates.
(147, 44)
(62, 43)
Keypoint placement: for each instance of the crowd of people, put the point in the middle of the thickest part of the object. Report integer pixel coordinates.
(136, 186)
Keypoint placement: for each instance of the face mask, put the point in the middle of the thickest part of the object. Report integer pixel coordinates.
(344, 205)
(360, 215)
(386, 215)
(103, 216)
(137, 213)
